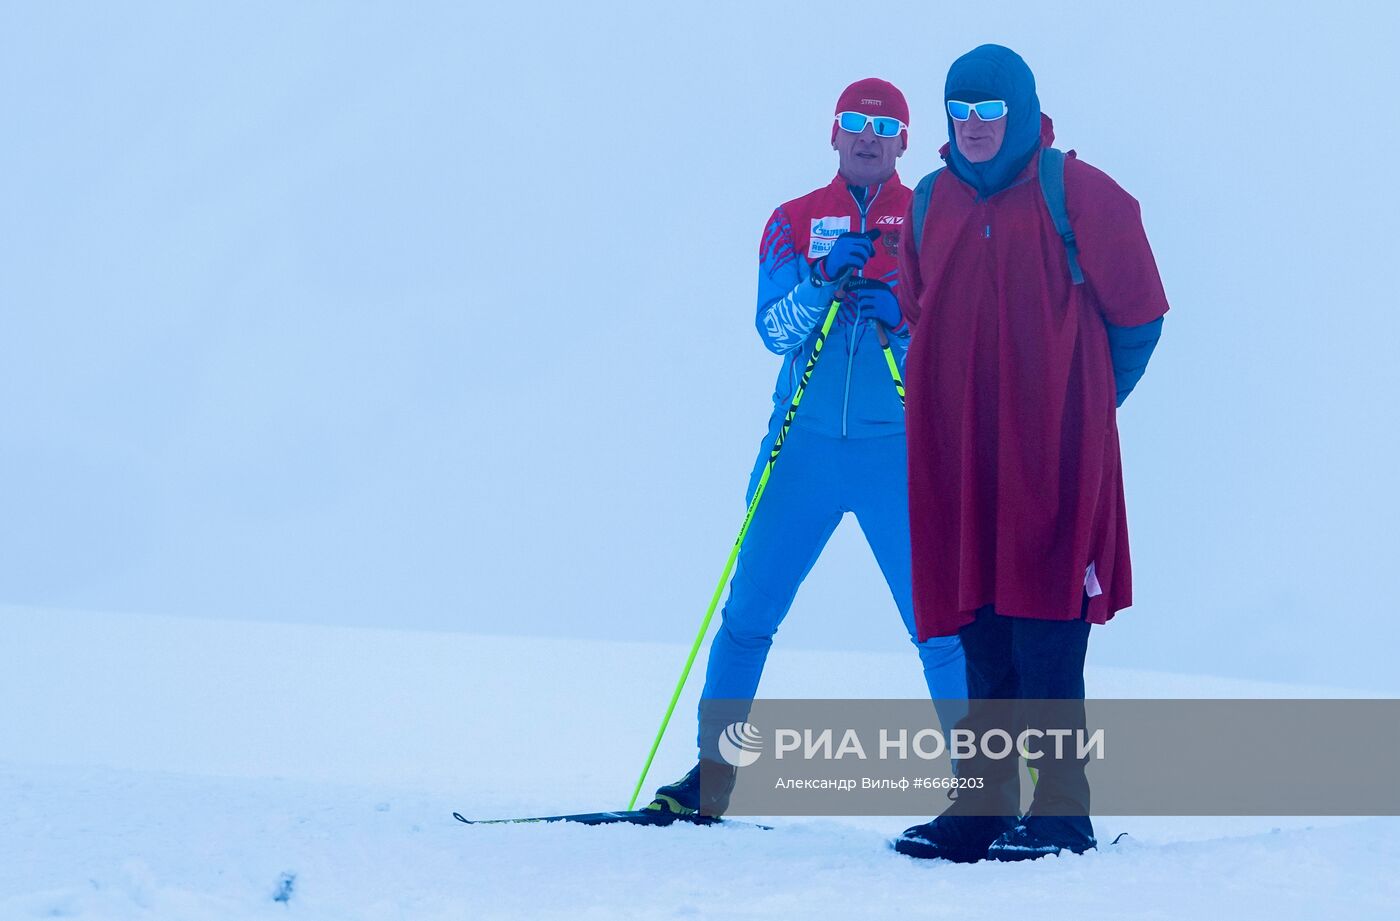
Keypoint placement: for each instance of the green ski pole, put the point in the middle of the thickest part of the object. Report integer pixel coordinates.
(738, 543)
(889, 360)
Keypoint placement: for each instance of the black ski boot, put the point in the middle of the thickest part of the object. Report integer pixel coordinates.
(1040, 836)
(959, 838)
(684, 797)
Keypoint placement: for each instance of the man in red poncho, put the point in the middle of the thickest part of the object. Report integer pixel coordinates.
(1025, 340)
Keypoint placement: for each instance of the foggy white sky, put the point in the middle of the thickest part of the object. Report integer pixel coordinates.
(349, 313)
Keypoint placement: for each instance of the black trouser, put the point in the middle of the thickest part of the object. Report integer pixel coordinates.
(1038, 664)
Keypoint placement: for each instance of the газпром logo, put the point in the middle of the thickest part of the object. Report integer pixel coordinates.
(824, 232)
(740, 744)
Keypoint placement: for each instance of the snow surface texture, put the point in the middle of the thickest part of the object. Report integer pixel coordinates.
(165, 768)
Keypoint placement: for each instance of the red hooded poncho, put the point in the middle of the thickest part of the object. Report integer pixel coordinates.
(1015, 482)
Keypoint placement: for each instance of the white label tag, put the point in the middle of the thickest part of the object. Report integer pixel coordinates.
(825, 230)
(1091, 582)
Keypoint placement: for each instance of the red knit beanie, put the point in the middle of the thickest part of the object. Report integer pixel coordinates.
(873, 96)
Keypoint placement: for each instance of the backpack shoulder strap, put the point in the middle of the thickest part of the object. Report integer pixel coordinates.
(1052, 186)
(922, 192)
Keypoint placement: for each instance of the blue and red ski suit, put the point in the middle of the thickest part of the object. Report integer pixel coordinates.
(844, 453)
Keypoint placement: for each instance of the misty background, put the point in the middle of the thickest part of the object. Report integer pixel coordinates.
(440, 317)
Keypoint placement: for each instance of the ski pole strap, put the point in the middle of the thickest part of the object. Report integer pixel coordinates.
(738, 543)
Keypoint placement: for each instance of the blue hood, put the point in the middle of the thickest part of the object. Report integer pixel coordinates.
(995, 72)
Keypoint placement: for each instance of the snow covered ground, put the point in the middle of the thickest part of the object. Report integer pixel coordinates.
(155, 767)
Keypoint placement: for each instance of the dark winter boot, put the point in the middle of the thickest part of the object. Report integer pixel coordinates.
(959, 838)
(704, 789)
(1040, 836)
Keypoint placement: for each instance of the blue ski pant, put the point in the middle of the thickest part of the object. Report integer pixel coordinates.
(816, 481)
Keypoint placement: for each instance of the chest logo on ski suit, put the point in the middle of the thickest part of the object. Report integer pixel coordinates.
(825, 230)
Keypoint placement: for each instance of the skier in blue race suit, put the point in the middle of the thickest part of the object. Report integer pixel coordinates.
(846, 448)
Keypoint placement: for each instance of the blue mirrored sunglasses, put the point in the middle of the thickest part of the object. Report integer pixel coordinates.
(855, 123)
(988, 111)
